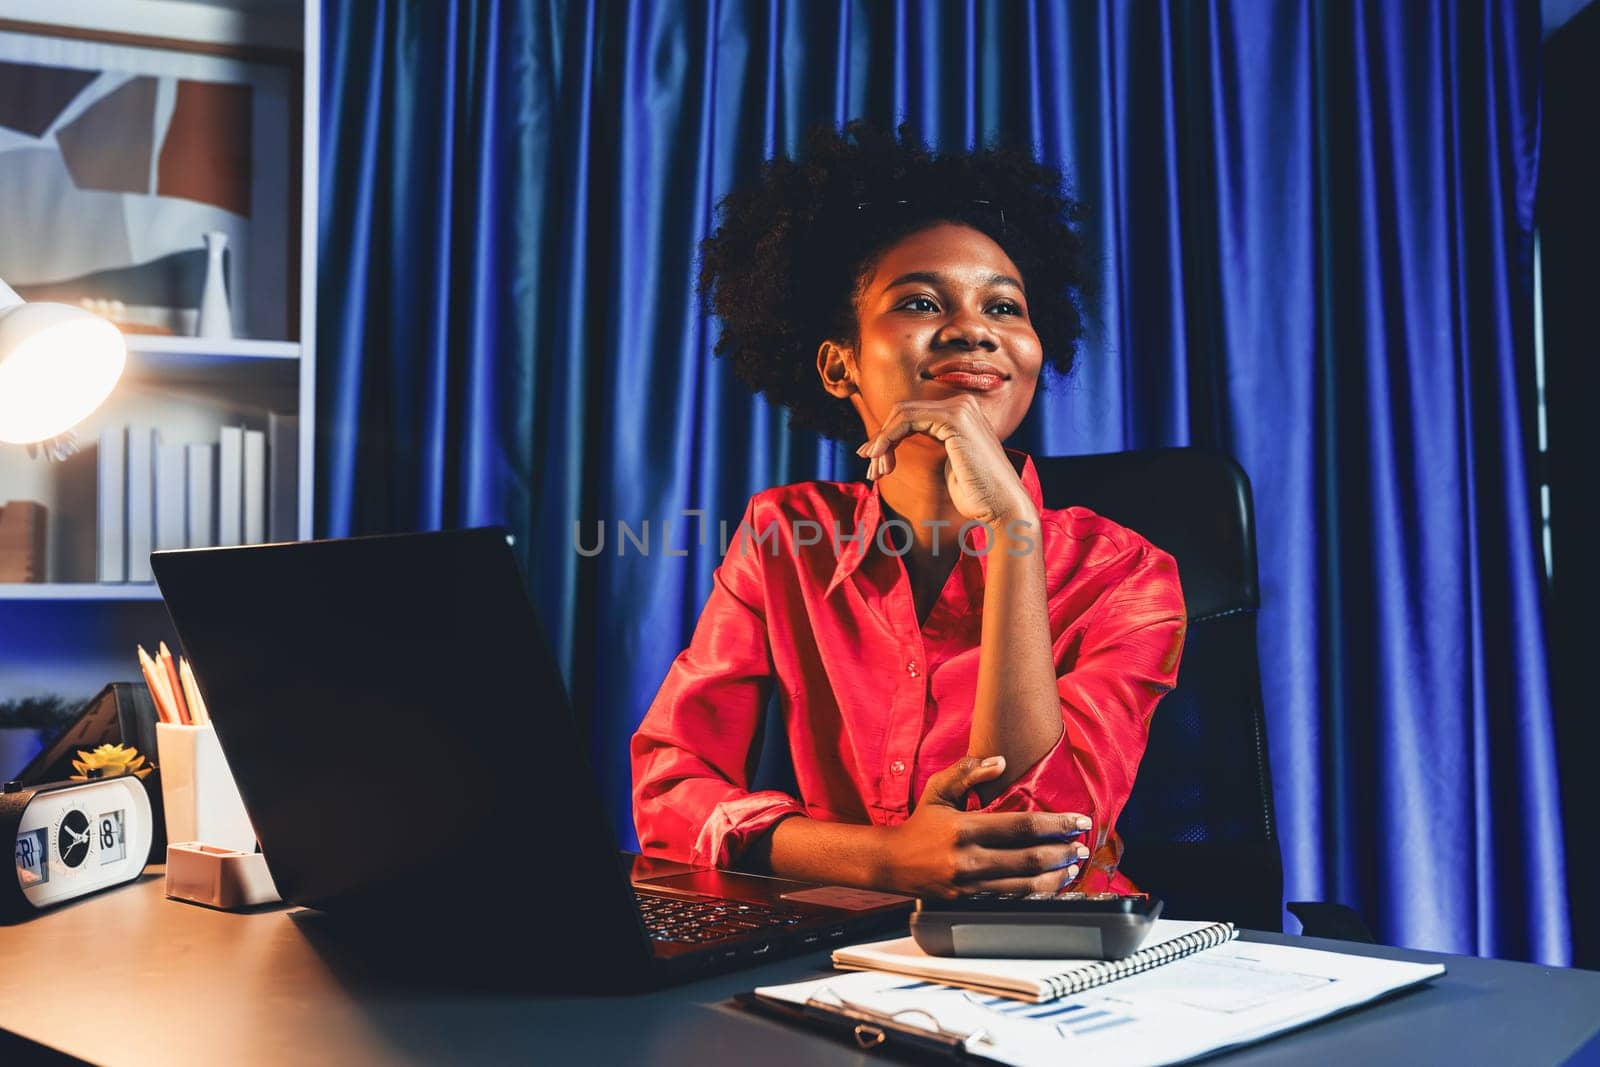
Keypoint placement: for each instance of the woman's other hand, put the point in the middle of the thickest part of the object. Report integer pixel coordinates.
(943, 851)
(983, 484)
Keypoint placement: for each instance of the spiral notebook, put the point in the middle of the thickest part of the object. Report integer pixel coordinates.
(1035, 980)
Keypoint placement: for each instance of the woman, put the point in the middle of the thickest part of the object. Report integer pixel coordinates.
(966, 676)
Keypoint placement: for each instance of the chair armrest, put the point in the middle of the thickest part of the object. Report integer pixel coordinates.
(1335, 921)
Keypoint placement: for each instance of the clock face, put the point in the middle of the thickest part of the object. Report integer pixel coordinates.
(72, 839)
(75, 838)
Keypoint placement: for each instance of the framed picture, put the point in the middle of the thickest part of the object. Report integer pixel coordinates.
(116, 159)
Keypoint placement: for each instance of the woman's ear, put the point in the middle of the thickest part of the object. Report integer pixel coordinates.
(835, 364)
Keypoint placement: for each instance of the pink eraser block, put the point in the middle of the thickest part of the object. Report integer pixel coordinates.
(220, 877)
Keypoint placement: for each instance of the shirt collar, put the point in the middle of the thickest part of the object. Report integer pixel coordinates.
(869, 513)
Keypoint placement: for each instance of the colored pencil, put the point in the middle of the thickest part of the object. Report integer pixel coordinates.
(156, 681)
(164, 657)
(191, 693)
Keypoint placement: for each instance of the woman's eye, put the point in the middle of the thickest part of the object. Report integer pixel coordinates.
(1006, 307)
(919, 303)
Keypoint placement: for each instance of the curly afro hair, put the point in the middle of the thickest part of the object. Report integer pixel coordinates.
(792, 254)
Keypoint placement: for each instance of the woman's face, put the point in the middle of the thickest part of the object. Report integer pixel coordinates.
(944, 313)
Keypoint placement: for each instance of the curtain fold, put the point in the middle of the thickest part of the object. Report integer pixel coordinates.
(1311, 225)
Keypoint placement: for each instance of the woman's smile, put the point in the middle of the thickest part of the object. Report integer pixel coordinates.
(975, 375)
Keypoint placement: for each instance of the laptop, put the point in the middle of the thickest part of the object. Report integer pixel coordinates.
(405, 747)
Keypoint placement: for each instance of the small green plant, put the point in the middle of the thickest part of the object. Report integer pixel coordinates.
(47, 713)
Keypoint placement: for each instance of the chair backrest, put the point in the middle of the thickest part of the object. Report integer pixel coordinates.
(1199, 826)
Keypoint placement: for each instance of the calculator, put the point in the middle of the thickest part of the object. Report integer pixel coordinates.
(1095, 926)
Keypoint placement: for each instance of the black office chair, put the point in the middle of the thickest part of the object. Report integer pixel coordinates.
(1199, 827)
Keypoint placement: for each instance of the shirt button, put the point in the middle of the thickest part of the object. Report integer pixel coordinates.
(898, 766)
(912, 668)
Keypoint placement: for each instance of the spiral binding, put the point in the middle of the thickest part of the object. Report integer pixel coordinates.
(1061, 985)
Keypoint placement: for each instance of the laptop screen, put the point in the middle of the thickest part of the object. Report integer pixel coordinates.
(394, 720)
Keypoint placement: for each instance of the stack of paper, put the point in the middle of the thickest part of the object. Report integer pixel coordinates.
(1228, 995)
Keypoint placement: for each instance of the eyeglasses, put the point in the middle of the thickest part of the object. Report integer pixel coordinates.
(987, 205)
(873, 1024)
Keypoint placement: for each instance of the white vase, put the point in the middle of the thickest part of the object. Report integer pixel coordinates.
(215, 319)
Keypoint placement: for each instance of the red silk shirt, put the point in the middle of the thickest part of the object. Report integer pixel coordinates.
(874, 703)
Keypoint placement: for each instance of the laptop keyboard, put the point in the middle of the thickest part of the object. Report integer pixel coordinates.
(699, 922)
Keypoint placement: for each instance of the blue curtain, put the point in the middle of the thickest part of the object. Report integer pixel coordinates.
(1312, 223)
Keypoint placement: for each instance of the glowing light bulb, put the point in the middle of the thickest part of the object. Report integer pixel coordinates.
(57, 365)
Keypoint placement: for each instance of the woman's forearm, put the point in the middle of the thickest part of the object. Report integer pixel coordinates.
(810, 850)
(1017, 710)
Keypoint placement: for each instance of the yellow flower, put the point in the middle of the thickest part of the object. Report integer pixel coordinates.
(109, 761)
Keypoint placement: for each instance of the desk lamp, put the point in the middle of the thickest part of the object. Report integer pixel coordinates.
(57, 364)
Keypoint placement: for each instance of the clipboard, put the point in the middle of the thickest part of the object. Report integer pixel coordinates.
(870, 1030)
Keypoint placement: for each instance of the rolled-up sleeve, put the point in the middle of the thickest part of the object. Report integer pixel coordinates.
(1127, 661)
(694, 753)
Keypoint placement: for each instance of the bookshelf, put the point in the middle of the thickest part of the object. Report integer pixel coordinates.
(91, 591)
(71, 634)
(154, 351)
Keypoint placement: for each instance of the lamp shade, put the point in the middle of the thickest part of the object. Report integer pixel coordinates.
(57, 364)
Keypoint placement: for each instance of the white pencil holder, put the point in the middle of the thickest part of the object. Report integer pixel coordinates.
(197, 789)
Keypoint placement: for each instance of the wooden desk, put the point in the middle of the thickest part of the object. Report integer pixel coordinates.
(129, 977)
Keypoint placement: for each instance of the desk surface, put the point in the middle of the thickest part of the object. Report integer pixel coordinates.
(131, 977)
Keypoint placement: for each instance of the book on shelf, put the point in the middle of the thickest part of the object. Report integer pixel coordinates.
(254, 484)
(171, 491)
(141, 502)
(283, 477)
(111, 505)
(230, 486)
(23, 540)
(154, 495)
(202, 496)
